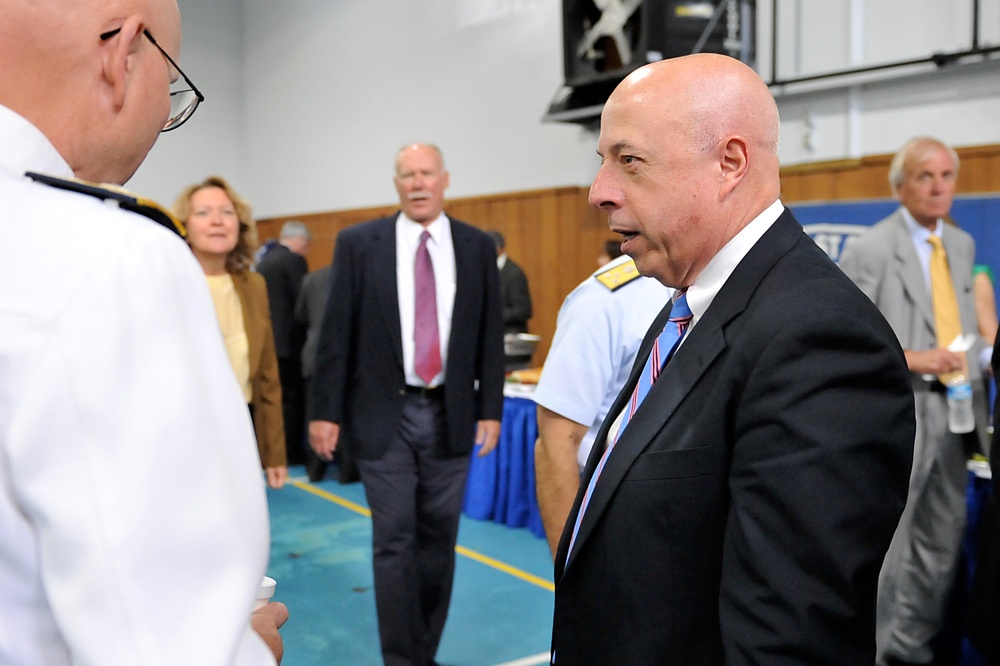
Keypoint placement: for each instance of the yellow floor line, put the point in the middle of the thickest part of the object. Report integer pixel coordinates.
(461, 550)
(506, 568)
(319, 492)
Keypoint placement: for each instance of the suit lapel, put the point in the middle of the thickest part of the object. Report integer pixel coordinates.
(910, 272)
(383, 272)
(255, 341)
(465, 261)
(960, 271)
(682, 373)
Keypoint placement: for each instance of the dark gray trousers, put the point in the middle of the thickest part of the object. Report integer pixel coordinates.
(415, 495)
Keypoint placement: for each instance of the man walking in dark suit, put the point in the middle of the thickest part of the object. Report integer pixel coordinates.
(743, 490)
(283, 268)
(409, 371)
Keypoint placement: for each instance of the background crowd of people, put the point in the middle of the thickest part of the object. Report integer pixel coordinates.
(747, 454)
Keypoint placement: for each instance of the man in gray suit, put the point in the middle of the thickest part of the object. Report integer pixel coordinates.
(891, 263)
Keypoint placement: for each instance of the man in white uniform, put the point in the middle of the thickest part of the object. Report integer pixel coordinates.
(598, 332)
(133, 520)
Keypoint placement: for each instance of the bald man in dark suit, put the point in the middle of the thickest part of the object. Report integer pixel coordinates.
(745, 485)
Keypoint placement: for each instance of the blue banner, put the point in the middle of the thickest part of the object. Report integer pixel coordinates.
(832, 224)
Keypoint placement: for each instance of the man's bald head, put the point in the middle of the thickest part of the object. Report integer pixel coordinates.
(706, 97)
(689, 158)
(98, 101)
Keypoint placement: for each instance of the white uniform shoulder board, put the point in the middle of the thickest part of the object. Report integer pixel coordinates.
(122, 197)
(618, 276)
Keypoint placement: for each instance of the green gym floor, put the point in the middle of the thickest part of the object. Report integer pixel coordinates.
(501, 609)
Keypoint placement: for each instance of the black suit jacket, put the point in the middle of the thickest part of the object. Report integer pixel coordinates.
(515, 297)
(309, 310)
(359, 379)
(745, 511)
(283, 271)
(983, 613)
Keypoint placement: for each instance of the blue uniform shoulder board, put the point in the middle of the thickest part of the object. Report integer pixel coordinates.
(618, 276)
(123, 198)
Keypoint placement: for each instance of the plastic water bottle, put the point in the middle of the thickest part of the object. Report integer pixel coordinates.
(960, 416)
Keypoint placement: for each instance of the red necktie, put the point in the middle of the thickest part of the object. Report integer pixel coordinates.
(427, 350)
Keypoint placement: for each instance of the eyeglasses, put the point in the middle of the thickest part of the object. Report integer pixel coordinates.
(182, 102)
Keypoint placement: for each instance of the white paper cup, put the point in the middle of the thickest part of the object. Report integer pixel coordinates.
(265, 592)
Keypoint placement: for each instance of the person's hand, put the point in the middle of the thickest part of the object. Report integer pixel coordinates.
(323, 436)
(276, 476)
(266, 621)
(936, 361)
(487, 435)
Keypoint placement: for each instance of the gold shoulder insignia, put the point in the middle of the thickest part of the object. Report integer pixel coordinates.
(618, 276)
(122, 197)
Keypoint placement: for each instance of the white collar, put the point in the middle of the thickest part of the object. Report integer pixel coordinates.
(705, 287)
(918, 232)
(438, 228)
(23, 147)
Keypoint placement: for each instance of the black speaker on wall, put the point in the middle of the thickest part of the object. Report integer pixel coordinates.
(604, 40)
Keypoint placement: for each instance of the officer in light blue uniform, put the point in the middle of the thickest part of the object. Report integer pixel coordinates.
(600, 326)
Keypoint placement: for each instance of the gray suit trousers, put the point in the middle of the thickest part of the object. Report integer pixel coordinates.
(919, 568)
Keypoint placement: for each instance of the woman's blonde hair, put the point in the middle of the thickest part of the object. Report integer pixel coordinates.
(241, 256)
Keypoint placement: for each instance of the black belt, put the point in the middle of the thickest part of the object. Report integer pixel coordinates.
(425, 391)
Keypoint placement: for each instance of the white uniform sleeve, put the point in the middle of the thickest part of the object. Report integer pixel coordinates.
(581, 363)
(132, 457)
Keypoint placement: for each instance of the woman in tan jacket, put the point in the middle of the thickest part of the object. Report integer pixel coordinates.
(221, 234)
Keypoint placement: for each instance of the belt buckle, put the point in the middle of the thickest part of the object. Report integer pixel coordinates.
(423, 391)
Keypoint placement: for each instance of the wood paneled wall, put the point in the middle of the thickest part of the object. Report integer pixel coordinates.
(868, 177)
(554, 234)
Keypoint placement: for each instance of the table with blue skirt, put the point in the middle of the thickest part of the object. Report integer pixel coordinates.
(501, 485)
(978, 494)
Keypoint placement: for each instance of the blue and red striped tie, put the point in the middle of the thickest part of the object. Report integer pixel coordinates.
(663, 349)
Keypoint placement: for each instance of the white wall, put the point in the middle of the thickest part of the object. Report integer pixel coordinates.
(308, 100)
(878, 112)
(213, 141)
(336, 87)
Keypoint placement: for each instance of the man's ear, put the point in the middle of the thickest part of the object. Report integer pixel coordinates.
(118, 58)
(734, 165)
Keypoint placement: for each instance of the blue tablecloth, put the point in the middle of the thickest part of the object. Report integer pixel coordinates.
(501, 485)
(977, 496)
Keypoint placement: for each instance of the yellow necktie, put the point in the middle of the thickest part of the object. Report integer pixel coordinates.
(947, 322)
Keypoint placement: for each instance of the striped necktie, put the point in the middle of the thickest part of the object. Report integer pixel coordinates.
(663, 349)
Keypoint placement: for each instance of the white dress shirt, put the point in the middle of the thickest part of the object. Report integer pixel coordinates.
(920, 235)
(709, 282)
(442, 252)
